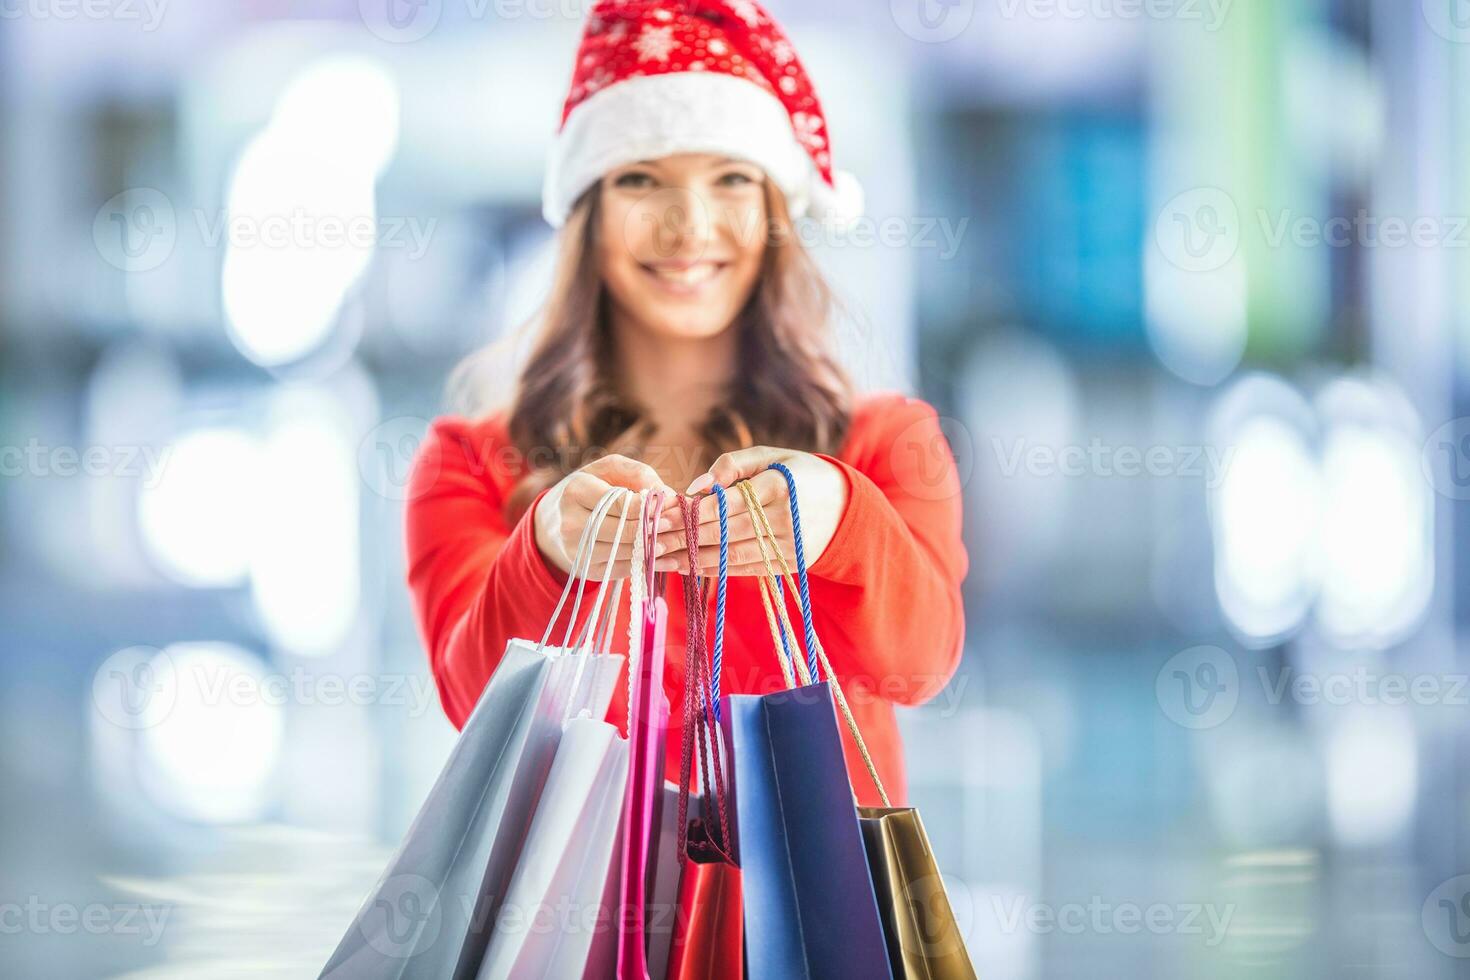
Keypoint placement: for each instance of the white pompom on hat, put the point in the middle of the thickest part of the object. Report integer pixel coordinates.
(658, 77)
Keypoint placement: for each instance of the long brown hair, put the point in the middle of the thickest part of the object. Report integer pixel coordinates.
(789, 390)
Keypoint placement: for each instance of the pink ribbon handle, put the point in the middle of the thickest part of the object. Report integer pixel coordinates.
(648, 720)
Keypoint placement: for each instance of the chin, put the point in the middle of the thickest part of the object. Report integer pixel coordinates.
(690, 324)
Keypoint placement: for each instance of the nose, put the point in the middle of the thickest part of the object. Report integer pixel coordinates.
(683, 223)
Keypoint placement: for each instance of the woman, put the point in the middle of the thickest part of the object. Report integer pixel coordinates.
(685, 342)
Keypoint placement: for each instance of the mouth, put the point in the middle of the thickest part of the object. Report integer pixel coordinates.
(684, 280)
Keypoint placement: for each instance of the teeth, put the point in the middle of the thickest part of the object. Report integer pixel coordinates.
(691, 276)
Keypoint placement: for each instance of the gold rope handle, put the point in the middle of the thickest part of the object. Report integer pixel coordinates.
(769, 598)
(763, 532)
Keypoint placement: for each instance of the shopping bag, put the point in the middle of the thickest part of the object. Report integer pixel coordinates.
(924, 941)
(551, 910)
(648, 712)
(429, 914)
(708, 935)
(809, 903)
(664, 880)
(810, 909)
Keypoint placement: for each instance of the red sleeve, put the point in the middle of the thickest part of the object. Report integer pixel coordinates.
(476, 582)
(889, 581)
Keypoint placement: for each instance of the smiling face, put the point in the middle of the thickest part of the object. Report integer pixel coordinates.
(681, 242)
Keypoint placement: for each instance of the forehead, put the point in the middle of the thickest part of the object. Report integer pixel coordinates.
(691, 161)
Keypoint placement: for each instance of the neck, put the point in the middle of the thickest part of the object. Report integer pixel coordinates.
(676, 381)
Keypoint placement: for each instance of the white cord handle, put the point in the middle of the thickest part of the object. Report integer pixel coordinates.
(581, 566)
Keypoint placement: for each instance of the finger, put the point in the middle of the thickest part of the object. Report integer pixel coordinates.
(577, 512)
(741, 553)
(621, 471)
(620, 570)
(769, 488)
(602, 550)
(740, 527)
(609, 528)
(737, 465)
(733, 571)
(584, 490)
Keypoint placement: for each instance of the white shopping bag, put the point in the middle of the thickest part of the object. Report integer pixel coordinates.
(431, 913)
(430, 902)
(554, 908)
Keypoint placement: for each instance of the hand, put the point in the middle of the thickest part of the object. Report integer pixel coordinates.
(821, 491)
(565, 511)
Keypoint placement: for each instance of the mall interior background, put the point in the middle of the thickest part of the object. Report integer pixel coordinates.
(1189, 282)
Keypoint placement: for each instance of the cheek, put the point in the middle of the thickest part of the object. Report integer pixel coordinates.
(616, 247)
(748, 249)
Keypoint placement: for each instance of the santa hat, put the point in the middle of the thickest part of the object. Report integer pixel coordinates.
(657, 77)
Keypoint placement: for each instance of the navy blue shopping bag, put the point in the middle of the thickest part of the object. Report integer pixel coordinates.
(810, 909)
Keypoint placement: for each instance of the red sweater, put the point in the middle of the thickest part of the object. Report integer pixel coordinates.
(885, 594)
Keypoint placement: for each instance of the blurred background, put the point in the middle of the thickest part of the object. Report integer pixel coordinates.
(1188, 280)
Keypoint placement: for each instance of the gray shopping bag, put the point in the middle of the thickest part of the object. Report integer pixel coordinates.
(430, 914)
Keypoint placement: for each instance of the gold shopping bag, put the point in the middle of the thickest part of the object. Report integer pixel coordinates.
(924, 941)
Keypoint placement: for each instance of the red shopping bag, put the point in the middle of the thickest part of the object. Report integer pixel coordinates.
(709, 935)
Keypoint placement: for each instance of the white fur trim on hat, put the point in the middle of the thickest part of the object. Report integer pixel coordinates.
(653, 116)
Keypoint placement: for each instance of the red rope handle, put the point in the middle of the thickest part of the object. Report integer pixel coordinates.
(693, 642)
(698, 716)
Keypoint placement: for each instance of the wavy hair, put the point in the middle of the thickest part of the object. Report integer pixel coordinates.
(789, 390)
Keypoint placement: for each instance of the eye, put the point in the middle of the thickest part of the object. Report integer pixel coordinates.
(635, 179)
(736, 178)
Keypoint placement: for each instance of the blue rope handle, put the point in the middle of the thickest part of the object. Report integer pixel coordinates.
(718, 657)
(801, 582)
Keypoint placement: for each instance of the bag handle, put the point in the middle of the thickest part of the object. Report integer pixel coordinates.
(800, 549)
(701, 686)
(637, 593)
(581, 565)
(765, 538)
(780, 634)
(596, 616)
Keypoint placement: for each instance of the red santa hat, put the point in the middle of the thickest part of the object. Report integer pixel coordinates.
(657, 77)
